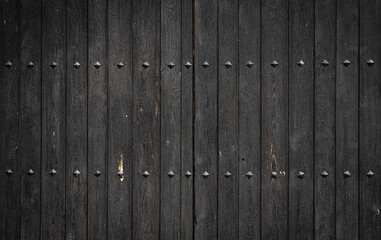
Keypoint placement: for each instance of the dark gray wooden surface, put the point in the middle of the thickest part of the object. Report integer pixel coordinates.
(274, 120)
(170, 119)
(54, 119)
(97, 113)
(301, 119)
(30, 118)
(76, 117)
(205, 118)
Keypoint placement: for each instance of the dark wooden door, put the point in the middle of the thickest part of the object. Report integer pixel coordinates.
(181, 119)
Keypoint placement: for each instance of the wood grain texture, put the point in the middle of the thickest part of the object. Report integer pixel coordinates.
(187, 193)
(146, 119)
(9, 120)
(206, 122)
(274, 120)
(76, 116)
(170, 140)
(249, 120)
(370, 118)
(30, 117)
(126, 108)
(53, 119)
(119, 119)
(228, 120)
(301, 119)
(97, 120)
(347, 120)
(325, 83)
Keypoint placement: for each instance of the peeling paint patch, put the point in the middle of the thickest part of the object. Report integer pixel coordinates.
(120, 167)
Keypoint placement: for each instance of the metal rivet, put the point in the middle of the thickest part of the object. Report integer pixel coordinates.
(325, 63)
(205, 64)
(188, 174)
(53, 172)
(227, 174)
(53, 65)
(97, 173)
(29, 172)
(274, 174)
(301, 174)
(9, 172)
(120, 65)
(145, 65)
(249, 64)
(77, 65)
(170, 65)
(324, 174)
(274, 63)
(370, 62)
(171, 174)
(97, 65)
(76, 173)
(30, 64)
(8, 64)
(145, 174)
(370, 174)
(205, 174)
(188, 65)
(249, 174)
(347, 174)
(346, 62)
(228, 64)
(120, 174)
(301, 63)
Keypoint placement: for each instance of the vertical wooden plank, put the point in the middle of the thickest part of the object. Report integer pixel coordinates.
(170, 119)
(274, 119)
(228, 119)
(146, 119)
(30, 116)
(97, 119)
(249, 120)
(325, 44)
(301, 119)
(187, 116)
(370, 119)
(347, 119)
(119, 119)
(205, 133)
(9, 120)
(76, 116)
(53, 118)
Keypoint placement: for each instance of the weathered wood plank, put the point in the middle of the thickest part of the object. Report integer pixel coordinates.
(53, 118)
(187, 118)
(274, 119)
(30, 116)
(249, 120)
(206, 122)
(301, 119)
(146, 119)
(97, 119)
(119, 119)
(170, 119)
(370, 119)
(228, 120)
(9, 120)
(325, 43)
(76, 116)
(347, 119)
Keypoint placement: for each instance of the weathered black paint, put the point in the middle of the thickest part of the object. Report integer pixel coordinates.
(131, 102)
